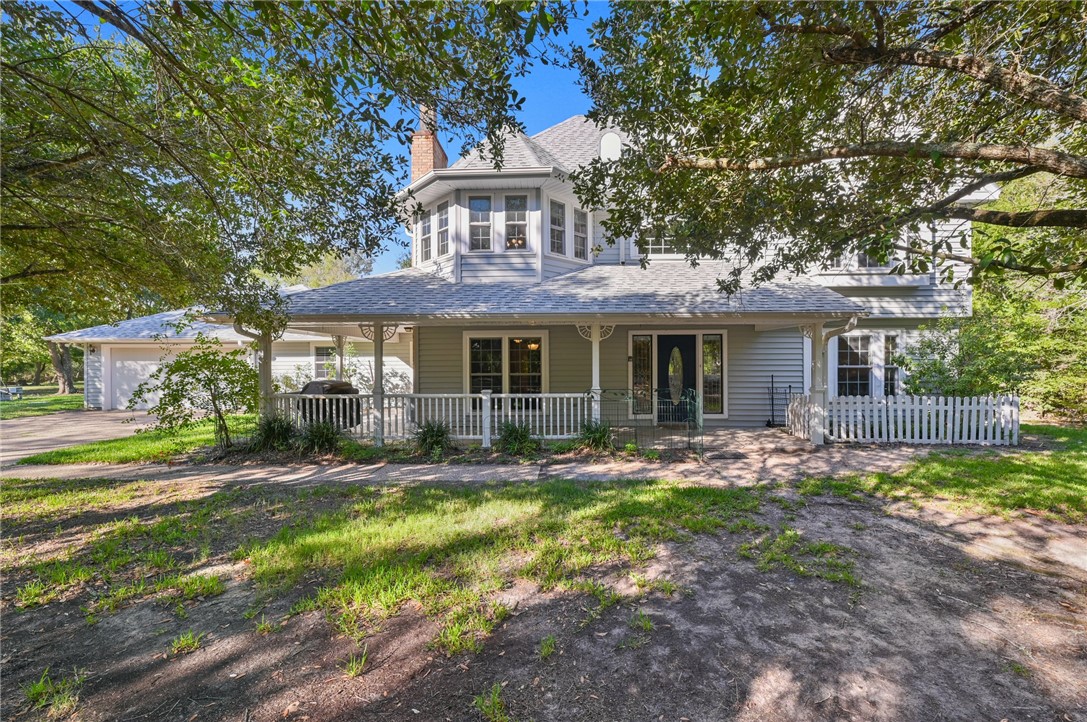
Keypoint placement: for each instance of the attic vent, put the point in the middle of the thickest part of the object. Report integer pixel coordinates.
(611, 147)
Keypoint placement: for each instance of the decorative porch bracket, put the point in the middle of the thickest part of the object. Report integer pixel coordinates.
(596, 333)
(818, 339)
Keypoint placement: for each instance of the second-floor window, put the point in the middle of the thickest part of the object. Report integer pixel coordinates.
(443, 228)
(660, 246)
(424, 237)
(558, 228)
(581, 235)
(516, 222)
(479, 223)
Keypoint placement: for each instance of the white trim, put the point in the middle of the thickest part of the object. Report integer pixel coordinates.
(505, 335)
(698, 334)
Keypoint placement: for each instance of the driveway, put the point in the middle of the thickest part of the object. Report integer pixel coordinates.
(34, 434)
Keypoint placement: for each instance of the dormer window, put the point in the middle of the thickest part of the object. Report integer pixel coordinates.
(479, 223)
(516, 223)
(581, 234)
(443, 228)
(558, 228)
(424, 237)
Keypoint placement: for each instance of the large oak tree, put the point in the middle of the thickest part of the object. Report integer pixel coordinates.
(784, 135)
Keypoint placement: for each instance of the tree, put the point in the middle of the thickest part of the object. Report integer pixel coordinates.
(843, 127)
(172, 148)
(329, 269)
(204, 381)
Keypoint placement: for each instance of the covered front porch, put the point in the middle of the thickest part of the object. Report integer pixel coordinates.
(655, 384)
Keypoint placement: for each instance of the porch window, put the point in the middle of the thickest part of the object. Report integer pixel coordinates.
(479, 223)
(890, 366)
(485, 365)
(854, 366)
(581, 234)
(713, 397)
(526, 365)
(424, 237)
(324, 362)
(558, 228)
(443, 228)
(641, 348)
(516, 222)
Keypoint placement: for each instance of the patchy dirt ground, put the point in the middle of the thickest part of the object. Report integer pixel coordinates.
(957, 617)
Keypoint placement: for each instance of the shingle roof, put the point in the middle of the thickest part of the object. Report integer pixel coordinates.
(666, 289)
(159, 326)
(566, 146)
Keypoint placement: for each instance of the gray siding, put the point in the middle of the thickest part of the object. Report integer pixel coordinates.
(752, 357)
(484, 267)
(557, 265)
(289, 356)
(92, 378)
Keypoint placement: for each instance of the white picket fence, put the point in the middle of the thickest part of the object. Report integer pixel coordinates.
(987, 420)
(469, 416)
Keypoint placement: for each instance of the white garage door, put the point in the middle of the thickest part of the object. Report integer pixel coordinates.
(129, 368)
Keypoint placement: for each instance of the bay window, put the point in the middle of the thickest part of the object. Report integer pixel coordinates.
(479, 223)
(558, 228)
(424, 237)
(516, 222)
(581, 234)
(443, 228)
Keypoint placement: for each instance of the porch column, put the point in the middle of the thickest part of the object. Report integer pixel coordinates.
(594, 337)
(379, 383)
(817, 393)
(266, 402)
(339, 342)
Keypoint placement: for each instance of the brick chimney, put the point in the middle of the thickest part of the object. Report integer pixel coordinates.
(427, 153)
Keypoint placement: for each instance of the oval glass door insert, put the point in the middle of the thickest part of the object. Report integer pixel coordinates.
(675, 375)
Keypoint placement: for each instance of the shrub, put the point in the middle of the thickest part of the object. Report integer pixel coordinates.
(432, 438)
(274, 433)
(631, 447)
(319, 437)
(516, 439)
(206, 380)
(595, 435)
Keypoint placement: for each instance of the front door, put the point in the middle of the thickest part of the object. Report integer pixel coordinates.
(676, 373)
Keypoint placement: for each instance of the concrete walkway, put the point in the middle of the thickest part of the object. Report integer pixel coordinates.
(739, 468)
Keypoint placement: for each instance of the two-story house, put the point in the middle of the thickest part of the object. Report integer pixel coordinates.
(512, 293)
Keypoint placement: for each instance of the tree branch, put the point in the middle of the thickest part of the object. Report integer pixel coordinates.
(994, 263)
(1054, 161)
(1032, 88)
(42, 166)
(31, 272)
(1062, 217)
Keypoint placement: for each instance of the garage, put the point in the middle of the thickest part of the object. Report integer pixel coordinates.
(129, 367)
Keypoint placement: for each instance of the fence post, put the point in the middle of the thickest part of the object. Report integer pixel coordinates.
(486, 403)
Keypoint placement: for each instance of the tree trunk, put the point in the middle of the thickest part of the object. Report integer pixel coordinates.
(61, 355)
(39, 369)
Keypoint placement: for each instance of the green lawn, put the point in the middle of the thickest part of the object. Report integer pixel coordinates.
(1053, 482)
(40, 401)
(143, 446)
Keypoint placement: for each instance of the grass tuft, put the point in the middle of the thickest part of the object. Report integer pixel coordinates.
(789, 550)
(547, 646)
(641, 622)
(58, 697)
(491, 706)
(355, 665)
(186, 642)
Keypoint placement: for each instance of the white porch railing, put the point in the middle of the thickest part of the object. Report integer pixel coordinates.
(469, 416)
(988, 420)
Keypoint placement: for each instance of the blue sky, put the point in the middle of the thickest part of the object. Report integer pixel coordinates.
(551, 96)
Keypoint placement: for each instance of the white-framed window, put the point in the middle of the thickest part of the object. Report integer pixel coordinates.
(511, 362)
(516, 222)
(890, 365)
(854, 365)
(558, 228)
(324, 362)
(479, 223)
(581, 234)
(711, 369)
(443, 228)
(424, 236)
